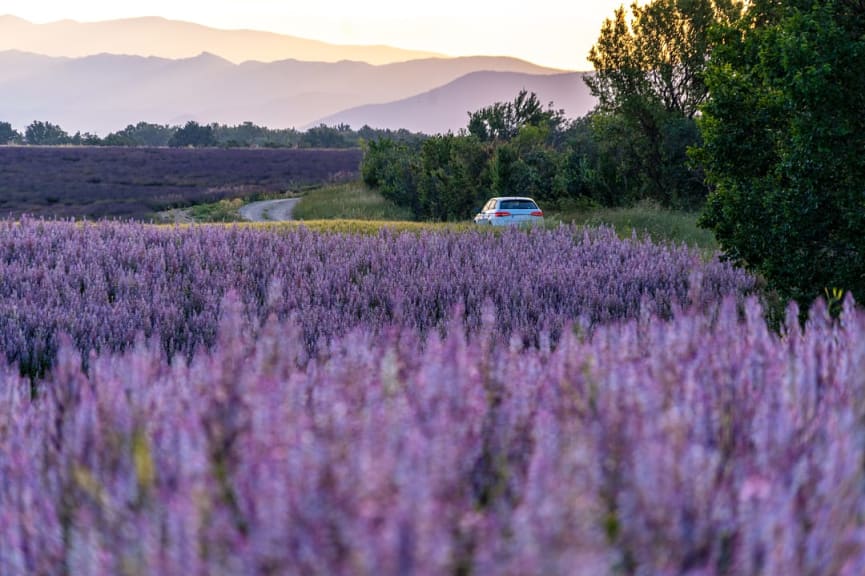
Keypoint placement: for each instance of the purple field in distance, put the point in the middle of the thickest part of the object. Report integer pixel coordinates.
(98, 182)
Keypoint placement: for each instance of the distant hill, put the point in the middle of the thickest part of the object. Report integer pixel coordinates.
(174, 39)
(447, 107)
(104, 93)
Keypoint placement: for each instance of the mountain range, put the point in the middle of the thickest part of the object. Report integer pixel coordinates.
(104, 92)
(172, 39)
(447, 107)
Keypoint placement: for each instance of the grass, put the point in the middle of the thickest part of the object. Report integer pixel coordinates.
(351, 201)
(660, 224)
(222, 211)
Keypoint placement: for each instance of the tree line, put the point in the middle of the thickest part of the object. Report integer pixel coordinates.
(522, 148)
(193, 134)
(649, 82)
(751, 112)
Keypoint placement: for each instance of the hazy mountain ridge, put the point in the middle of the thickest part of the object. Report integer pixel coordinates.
(447, 107)
(172, 39)
(105, 92)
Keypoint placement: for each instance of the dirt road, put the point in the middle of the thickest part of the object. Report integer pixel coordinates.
(269, 210)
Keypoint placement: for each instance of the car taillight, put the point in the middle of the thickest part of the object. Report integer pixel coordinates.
(537, 213)
(501, 214)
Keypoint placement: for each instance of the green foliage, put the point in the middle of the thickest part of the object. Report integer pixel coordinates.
(784, 136)
(323, 136)
(643, 219)
(9, 135)
(244, 135)
(340, 136)
(247, 134)
(45, 134)
(86, 139)
(588, 164)
(650, 77)
(226, 210)
(193, 134)
(392, 168)
(352, 201)
(504, 120)
(519, 148)
(656, 60)
(509, 149)
(525, 167)
(453, 180)
(141, 134)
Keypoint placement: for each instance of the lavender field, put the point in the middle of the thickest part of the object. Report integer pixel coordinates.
(242, 401)
(124, 183)
(105, 284)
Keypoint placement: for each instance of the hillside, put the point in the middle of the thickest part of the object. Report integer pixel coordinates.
(103, 93)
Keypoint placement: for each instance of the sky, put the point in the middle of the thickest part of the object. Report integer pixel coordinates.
(555, 33)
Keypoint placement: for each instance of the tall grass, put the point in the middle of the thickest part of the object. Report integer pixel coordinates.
(646, 219)
(351, 201)
(222, 211)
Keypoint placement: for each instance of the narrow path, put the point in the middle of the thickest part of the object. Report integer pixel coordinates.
(269, 210)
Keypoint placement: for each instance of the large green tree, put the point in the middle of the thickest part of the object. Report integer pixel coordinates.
(503, 120)
(45, 134)
(784, 145)
(453, 177)
(392, 167)
(141, 134)
(8, 134)
(657, 58)
(324, 136)
(650, 73)
(193, 134)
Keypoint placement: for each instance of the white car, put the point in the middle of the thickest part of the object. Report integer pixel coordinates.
(510, 211)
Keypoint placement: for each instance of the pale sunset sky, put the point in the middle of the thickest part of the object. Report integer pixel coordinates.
(555, 33)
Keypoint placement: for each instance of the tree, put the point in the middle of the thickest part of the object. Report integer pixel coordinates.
(141, 134)
(503, 120)
(526, 165)
(510, 148)
(453, 177)
(650, 71)
(659, 59)
(392, 167)
(8, 135)
(193, 134)
(86, 139)
(784, 136)
(323, 136)
(45, 134)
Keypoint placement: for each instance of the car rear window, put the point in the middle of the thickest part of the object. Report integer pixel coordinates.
(518, 205)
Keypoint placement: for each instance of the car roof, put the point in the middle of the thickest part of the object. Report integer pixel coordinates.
(512, 198)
